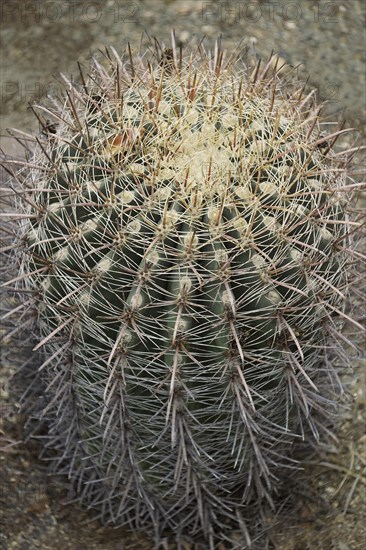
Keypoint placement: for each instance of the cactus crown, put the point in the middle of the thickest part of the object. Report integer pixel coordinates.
(184, 232)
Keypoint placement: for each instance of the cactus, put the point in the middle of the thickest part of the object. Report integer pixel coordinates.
(183, 236)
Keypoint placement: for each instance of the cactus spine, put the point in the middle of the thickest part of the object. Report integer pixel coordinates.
(184, 233)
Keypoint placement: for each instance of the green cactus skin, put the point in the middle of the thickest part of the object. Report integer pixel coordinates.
(184, 233)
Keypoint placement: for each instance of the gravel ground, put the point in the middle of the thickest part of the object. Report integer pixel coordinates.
(326, 40)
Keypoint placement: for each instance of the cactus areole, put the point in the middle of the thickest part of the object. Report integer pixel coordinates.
(182, 235)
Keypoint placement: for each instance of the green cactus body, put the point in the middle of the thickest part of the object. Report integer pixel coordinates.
(185, 240)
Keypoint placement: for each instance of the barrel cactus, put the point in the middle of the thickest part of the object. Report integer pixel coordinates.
(183, 242)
